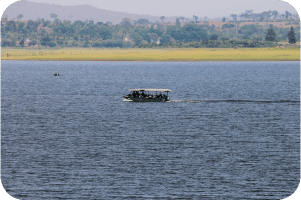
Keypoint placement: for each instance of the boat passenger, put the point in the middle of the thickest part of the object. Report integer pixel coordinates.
(135, 94)
(165, 97)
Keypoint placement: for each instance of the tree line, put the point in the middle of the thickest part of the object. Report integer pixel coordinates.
(140, 33)
(248, 15)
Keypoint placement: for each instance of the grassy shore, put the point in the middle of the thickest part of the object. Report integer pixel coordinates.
(169, 54)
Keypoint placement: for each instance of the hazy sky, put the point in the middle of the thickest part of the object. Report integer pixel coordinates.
(186, 8)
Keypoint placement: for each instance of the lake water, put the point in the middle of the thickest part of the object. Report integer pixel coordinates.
(72, 136)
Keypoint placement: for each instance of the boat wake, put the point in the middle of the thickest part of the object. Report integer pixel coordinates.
(236, 101)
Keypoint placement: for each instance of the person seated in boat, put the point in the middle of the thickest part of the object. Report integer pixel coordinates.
(129, 95)
(142, 94)
(160, 96)
(165, 97)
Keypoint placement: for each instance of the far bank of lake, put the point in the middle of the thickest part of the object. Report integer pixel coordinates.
(167, 54)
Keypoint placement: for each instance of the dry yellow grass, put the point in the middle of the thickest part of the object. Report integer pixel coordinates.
(77, 54)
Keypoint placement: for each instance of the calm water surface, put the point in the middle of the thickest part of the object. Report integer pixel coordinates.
(72, 136)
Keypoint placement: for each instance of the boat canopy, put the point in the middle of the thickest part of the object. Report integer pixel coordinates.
(151, 90)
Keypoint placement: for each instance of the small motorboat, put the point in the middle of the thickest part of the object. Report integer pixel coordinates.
(147, 95)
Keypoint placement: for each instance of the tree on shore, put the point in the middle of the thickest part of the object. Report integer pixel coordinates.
(53, 15)
(19, 17)
(4, 18)
(21, 43)
(86, 44)
(287, 15)
(291, 36)
(271, 35)
(165, 39)
(46, 41)
(187, 33)
(195, 18)
(205, 40)
(178, 23)
(214, 37)
(11, 25)
(126, 22)
(162, 18)
(234, 17)
(32, 43)
(142, 21)
(275, 14)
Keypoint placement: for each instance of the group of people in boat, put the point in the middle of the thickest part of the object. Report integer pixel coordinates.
(136, 94)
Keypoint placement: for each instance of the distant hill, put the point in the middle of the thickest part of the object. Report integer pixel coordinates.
(33, 11)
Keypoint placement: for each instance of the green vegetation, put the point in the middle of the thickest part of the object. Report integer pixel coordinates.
(291, 36)
(144, 34)
(271, 35)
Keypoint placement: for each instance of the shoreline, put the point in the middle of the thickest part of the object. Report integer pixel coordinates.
(152, 55)
(155, 60)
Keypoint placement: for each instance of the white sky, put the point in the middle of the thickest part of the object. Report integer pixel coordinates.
(186, 8)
